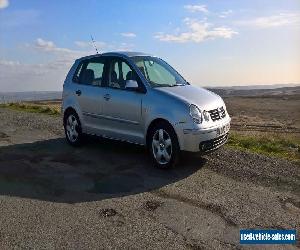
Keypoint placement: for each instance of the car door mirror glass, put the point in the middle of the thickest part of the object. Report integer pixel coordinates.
(131, 84)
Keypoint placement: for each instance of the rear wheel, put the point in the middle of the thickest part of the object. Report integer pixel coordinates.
(72, 127)
(163, 145)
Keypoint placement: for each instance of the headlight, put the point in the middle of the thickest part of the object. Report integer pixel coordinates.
(196, 114)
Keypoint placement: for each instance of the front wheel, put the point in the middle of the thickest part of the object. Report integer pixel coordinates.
(72, 127)
(163, 145)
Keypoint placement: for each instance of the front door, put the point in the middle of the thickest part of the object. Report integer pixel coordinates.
(122, 107)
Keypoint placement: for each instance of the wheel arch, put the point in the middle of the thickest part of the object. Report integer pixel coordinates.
(156, 121)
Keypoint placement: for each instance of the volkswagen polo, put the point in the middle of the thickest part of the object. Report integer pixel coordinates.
(139, 98)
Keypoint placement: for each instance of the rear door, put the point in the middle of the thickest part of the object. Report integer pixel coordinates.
(87, 81)
(122, 107)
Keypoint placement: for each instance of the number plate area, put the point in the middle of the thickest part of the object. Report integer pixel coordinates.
(223, 130)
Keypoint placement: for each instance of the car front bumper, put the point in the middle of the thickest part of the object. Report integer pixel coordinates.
(203, 140)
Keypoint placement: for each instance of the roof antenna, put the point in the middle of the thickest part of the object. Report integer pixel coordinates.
(93, 41)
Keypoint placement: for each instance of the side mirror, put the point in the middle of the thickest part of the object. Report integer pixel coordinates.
(131, 85)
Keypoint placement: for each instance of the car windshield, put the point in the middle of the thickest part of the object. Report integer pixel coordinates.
(158, 72)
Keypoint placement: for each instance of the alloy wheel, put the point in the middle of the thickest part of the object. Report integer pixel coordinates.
(162, 146)
(72, 128)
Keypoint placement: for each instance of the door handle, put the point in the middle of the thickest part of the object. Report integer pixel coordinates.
(107, 97)
(78, 92)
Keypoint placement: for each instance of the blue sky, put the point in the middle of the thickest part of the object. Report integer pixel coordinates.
(211, 43)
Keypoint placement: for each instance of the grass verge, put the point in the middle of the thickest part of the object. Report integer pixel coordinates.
(271, 145)
(33, 108)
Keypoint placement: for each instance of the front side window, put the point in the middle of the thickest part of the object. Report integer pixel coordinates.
(158, 72)
(120, 72)
(90, 72)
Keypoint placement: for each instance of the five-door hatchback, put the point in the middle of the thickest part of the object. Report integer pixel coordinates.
(141, 99)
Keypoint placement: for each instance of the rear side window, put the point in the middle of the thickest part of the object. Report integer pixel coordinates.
(90, 72)
(97, 68)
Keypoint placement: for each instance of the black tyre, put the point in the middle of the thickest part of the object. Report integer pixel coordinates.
(163, 145)
(73, 129)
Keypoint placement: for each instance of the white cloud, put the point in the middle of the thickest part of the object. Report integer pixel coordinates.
(196, 8)
(90, 45)
(19, 76)
(9, 63)
(3, 4)
(282, 19)
(86, 46)
(104, 47)
(198, 31)
(44, 45)
(128, 34)
(226, 13)
(49, 46)
(61, 54)
(16, 76)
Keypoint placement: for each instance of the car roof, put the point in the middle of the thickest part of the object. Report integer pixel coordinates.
(116, 53)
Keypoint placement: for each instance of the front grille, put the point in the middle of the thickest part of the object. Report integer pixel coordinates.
(213, 144)
(217, 114)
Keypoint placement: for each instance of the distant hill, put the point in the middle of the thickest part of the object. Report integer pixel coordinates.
(6, 97)
(265, 86)
(235, 91)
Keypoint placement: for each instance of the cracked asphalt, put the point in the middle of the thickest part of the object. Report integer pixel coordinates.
(107, 195)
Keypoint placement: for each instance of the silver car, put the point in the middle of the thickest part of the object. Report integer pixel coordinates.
(139, 98)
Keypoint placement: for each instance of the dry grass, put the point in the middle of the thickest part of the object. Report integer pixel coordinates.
(35, 107)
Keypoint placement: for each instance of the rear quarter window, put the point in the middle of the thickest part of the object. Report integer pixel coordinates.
(77, 73)
(90, 72)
